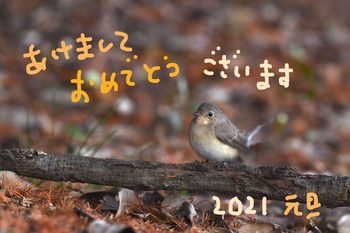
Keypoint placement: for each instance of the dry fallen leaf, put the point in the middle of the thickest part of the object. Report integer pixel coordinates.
(128, 200)
(172, 204)
(99, 226)
(259, 228)
(343, 225)
(14, 180)
(187, 212)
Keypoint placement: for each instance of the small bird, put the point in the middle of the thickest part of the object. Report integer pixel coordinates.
(214, 137)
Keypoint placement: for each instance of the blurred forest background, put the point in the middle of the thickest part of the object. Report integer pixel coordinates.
(150, 121)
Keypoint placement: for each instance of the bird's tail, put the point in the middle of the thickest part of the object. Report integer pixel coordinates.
(256, 135)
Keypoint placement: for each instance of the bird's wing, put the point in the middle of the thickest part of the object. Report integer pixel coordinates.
(230, 135)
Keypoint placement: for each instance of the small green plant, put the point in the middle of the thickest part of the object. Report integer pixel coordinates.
(92, 131)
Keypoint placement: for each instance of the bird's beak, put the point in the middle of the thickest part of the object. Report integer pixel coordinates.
(196, 114)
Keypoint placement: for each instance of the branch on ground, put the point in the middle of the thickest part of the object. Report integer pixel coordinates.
(272, 182)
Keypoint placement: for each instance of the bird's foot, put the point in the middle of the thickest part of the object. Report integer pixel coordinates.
(200, 162)
(221, 165)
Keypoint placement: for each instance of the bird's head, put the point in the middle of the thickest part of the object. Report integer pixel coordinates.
(207, 114)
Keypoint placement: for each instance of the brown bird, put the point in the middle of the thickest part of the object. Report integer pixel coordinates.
(214, 137)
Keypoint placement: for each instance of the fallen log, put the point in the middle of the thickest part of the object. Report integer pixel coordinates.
(272, 182)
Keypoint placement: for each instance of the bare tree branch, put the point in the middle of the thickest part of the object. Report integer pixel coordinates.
(273, 182)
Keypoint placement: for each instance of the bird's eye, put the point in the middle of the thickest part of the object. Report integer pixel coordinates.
(210, 114)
